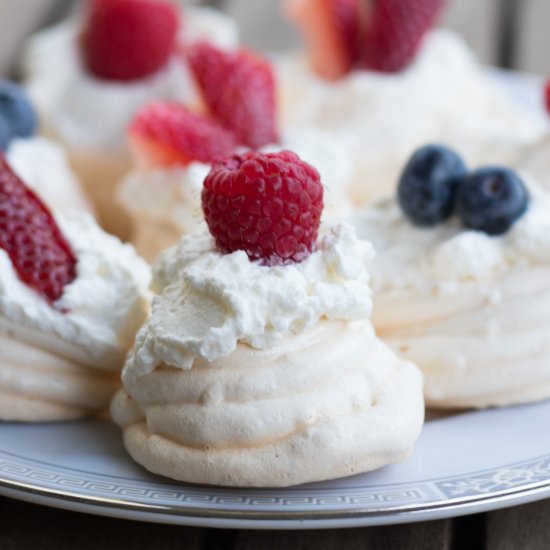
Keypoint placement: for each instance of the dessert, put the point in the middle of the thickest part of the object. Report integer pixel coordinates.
(173, 147)
(259, 365)
(40, 162)
(533, 159)
(384, 84)
(71, 300)
(90, 74)
(461, 279)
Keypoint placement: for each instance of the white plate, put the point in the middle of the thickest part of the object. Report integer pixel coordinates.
(464, 463)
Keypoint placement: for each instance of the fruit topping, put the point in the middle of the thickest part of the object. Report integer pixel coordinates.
(331, 29)
(128, 40)
(394, 30)
(547, 96)
(427, 186)
(268, 205)
(5, 135)
(30, 236)
(17, 112)
(491, 199)
(381, 35)
(167, 134)
(238, 88)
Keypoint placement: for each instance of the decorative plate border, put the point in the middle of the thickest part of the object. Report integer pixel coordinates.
(19, 476)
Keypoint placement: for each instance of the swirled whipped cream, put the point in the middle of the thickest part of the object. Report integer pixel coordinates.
(471, 310)
(86, 112)
(99, 313)
(250, 375)
(44, 167)
(210, 301)
(444, 96)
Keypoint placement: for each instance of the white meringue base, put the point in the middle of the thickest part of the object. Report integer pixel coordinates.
(331, 402)
(475, 350)
(37, 385)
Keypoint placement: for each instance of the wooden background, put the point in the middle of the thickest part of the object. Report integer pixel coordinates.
(510, 33)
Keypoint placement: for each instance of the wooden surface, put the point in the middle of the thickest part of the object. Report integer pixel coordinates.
(25, 526)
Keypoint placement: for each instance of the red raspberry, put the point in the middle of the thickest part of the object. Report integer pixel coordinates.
(239, 89)
(268, 205)
(128, 39)
(394, 30)
(547, 96)
(167, 134)
(29, 234)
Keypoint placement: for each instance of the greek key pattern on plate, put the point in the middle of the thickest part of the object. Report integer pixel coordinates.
(506, 478)
(92, 484)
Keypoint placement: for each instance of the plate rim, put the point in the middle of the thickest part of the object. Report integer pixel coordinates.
(271, 519)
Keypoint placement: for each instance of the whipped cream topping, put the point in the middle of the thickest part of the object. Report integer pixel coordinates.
(105, 305)
(209, 301)
(44, 167)
(169, 196)
(444, 96)
(86, 112)
(447, 255)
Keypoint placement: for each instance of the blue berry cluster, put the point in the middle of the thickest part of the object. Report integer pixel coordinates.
(436, 183)
(17, 115)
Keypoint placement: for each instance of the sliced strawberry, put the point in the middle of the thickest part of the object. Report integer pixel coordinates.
(331, 29)
(239, 89)
(394, 30)
(167, 134)
(128, 39)
(34, 243)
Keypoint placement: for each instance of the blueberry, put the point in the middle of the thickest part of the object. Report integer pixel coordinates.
(5, 135)
(491, 199)
(428, 184)
(17, 110)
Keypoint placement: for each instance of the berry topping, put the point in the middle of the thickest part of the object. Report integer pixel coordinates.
(168, 134)
(16, 111)
(5, 135)
(127, 40)
(268, 205)
(331, 29)
(29, 234)
(547, 96)
(427, 187)
(394, 30)
(239, 89)
(491, 199)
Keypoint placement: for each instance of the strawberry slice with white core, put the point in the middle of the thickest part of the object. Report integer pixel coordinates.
(166, 134)
(331, 29)
(125, 40)
(238, 87)
(29, 234)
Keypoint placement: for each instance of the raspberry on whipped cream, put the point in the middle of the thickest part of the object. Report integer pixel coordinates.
(471, 309)
(89, 115)
(71, 300)
(250, 374)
